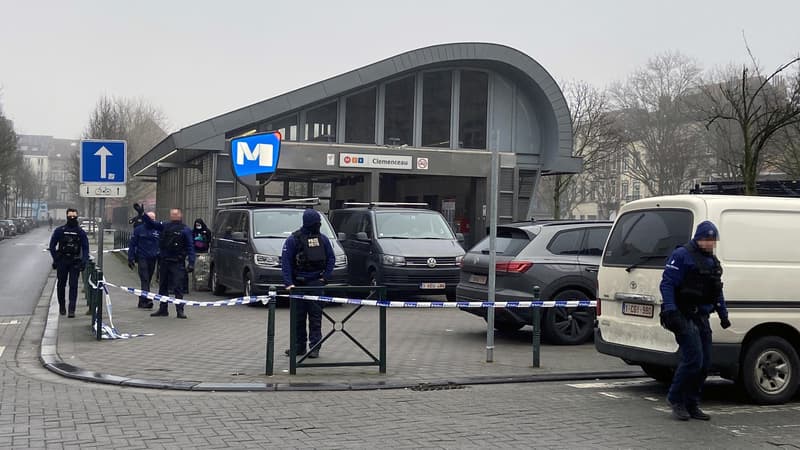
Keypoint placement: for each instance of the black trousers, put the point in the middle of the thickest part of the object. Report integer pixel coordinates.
(172, 279)
(67, 271)
(147, 267)
(311, 311)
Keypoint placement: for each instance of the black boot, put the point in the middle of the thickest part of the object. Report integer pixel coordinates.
(62, 309)
(162, 311)
(181, 315)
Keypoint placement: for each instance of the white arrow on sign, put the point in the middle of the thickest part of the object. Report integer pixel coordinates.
(103, 153)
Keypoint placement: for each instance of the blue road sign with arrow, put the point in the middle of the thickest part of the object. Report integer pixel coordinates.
(103, 161)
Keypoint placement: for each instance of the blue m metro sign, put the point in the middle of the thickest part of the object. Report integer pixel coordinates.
(255, 154)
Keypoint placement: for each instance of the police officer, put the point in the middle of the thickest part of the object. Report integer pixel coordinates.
(691, 288)
(175, 246)
(143, 250)
(69, 247)
(307, 260)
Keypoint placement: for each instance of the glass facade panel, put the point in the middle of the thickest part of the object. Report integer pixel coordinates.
(287, 126)
(321, 123)
(360, 118)
(399, 112)
(436, 94)
(473, 104)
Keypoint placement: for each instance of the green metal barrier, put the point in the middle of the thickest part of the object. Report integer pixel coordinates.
(374, 292)
(537, 328)
(94, 296)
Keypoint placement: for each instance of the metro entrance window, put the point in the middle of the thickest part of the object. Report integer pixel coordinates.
(473, 109)
(360, 118)
(399, 112)
(436, 95)
(321, 123)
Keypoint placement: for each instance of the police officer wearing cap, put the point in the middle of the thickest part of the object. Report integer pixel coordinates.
(691, 288)
(143, 251)
(307, 259)
(69, 247)
(175, 248)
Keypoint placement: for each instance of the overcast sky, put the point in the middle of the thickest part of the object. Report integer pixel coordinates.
(197, 59)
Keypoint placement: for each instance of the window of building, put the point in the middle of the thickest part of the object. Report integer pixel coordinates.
(436, 95)
(637, 190)
(625, 190)
(360, 118)
(321, 123)
(287, 126)
(399, 112)
(473, 104)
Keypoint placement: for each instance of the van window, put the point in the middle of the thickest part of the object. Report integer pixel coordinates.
(646, 238)
(566, 243)
(282, 223)
(338, 220)
(412, 225)
(510, 242)
(219, 223)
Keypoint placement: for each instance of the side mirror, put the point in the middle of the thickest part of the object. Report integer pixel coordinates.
(238, 236)
(362, 236)
(341, 236)
(460, 237)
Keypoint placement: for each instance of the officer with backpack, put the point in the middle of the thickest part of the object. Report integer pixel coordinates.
(143, 251)
(69, 247)
(175, 247)
(307, 260)
(691, 288)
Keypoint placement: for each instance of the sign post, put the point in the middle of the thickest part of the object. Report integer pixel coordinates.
(104, 169)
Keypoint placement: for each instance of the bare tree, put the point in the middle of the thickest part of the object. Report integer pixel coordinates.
(757, 106)
(596, 139)
(10, 160)
(658, 123)
(787, 154)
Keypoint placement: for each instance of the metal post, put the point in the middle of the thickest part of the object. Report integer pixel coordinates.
(98, 299)
(493, 187)
(382, 326)
(292, 336)
(271, 330)
(100, 237)
(537, 328)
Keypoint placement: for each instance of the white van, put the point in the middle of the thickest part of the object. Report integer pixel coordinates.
(759, 249)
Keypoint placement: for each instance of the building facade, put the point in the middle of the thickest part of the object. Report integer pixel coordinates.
(417, 127)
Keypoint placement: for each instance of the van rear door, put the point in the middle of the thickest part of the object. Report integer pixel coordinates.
(630, 276)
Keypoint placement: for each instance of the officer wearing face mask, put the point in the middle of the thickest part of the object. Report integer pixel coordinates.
(69, 247)
(307, 260)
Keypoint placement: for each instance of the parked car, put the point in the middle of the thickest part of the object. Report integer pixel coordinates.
(88, 225)
(561, 257)
(409, 250)
(22, 227)
(246, 246)
(30, 223)
(3, 229)
(9, 227)
(760, 351)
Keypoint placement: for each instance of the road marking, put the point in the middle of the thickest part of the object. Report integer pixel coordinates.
(610, 395)
(615, 384)
(13, 322)
(2, 349)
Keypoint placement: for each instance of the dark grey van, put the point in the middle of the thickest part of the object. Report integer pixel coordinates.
(246, 247)
(409, 250)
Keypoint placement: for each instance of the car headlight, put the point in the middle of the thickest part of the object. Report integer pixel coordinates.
(266, 260)
(341, 261)
(391, 260)
(459, 260)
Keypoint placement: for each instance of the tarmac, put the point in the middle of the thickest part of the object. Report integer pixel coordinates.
(224, 348)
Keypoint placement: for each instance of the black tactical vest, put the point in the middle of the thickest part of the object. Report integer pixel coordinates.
(172, 240)
(310, 252)
(69, 246)
(702, 284)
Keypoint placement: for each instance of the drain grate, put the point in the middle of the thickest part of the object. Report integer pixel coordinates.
(436, 387)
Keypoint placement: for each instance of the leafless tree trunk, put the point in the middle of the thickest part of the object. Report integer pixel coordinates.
(787, 154)
(758, 107)
(659, 128)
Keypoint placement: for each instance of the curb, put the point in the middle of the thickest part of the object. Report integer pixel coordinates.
(51, 360)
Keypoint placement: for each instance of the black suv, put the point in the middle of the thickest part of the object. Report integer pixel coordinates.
(247, 242)
(561, 257)
(409, 250)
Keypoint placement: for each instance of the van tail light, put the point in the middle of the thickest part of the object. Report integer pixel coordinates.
(597, 308)
(513, 266)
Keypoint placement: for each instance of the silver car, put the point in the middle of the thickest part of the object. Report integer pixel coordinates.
(561, 257)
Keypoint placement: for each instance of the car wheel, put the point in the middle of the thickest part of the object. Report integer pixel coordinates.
(569, 326)
(661, 374)
(216, 288)
(770, 370)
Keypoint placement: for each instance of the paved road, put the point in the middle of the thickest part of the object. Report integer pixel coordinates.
(23, 271)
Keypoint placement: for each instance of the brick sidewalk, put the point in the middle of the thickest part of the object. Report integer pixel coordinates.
(227, 345)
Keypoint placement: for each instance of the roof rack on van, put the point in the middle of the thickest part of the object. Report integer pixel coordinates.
(373, 205)
(770, 188)
(245, 202)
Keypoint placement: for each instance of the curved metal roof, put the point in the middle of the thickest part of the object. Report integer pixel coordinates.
(210, 134)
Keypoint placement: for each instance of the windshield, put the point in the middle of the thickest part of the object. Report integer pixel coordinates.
(647, 238)
(412, 225)
(282, 223)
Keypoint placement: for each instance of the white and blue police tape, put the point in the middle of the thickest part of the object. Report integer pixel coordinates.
(179, 301)
(113, 250)
(409, 304)
(109, 331)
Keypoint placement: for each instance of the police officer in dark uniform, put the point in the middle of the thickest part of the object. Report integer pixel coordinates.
(69, 247)
(307, 260)
(175, 247)
(143, 250)
(691, 288)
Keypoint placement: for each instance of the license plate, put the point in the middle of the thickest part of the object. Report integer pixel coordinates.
(478, 279)
(637, 309)
(432, 286)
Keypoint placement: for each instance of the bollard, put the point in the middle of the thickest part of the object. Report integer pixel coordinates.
(292, 335)
(271, 330)
(382, 331)
(537, 328)
(98, 299)
(87, 274)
